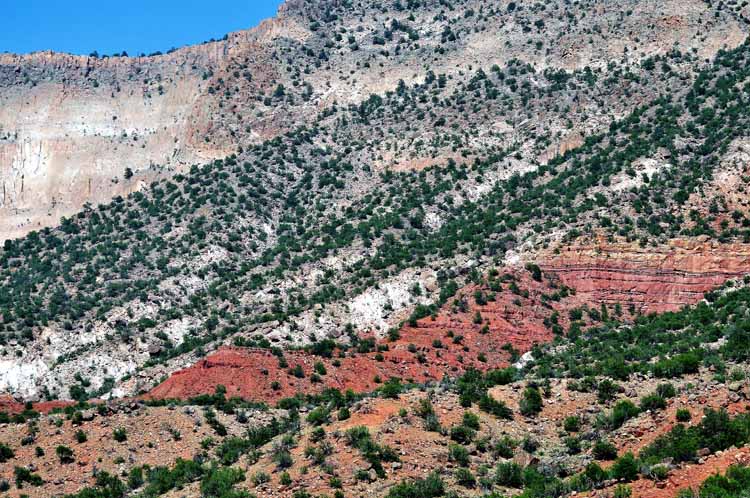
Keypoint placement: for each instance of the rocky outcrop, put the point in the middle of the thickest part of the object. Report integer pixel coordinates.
(652, 278)
(78, 129)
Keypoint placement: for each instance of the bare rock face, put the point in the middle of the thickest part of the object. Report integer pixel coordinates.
(652, 279)
(77, 130)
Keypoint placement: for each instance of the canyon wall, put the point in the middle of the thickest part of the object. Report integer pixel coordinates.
(651, 278)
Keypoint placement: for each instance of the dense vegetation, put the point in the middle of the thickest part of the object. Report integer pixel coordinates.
(666, 345)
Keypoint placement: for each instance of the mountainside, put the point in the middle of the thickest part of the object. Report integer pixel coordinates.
(71, 126)
(359, 201)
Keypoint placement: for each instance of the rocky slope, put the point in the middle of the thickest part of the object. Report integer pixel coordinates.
(446, 427)
(363, 215)
(70, 126)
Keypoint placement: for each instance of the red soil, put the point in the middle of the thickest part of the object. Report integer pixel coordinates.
(651, 278)
(511, 319)
(688, 476)
(10, 405)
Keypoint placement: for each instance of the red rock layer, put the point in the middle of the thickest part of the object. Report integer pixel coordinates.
(10, 405)
(510, 319)
(654, 279)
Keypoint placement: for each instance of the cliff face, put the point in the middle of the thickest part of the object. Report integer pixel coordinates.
(653, 279)
(70, 126)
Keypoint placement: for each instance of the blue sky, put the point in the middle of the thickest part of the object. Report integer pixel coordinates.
(136, 26)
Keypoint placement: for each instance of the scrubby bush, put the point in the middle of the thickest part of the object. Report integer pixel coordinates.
(504, 448)
(622, 412)
(65, 454)
(509, 474)
(81, 436)
(6, 453)
(471, 420)
(625, 468)
(219, 483)
(531, 402)
(497, 408)
(459, 454)
(683, 415)
(120, 434)
(465, 478)
(462, 434)
(572, 424)
(24, 475)
(604, 450)
(431, 487)
(653, 402)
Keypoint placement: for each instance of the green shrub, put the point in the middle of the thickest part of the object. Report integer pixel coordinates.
(595, 474)
(107, 486)
(318, 416)
(459, 454)
(283, 459)
(509, 475)
(6, 453)
(462, 434)
(231, 449)
(431, 487)
(666, 390)
(392, 388)
(623, 411)
(465, 478)
(572, 424)
(677, 366)
(494, 407)
(622, 491)
(531, 402)
(471, 420)
(653, 402)
(606, 390)
(135, 478)
(260, 478)
(65, 454)
(683, 415)
(504, 448)
(604, 450)
(658, 472)
(24, 475)
(81, 436)
(219, 483)
(120, 434)
(625, 468)
(734, 484)
(573, 444)
(163, 479)
(680, 443)
(529, 445)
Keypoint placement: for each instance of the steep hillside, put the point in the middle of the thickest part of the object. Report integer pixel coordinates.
(73, 129)
(331, 223)
(462, 248)
(643, 409)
